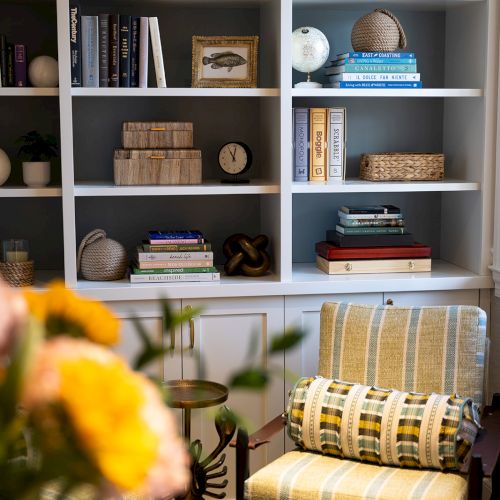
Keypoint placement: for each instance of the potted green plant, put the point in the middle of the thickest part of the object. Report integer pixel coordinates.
(36, 152)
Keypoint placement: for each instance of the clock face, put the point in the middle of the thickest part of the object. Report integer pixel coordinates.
(235, 158)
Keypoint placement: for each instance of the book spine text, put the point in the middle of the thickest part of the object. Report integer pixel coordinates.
(336, 143)
(125, 28)
(317, 148)
(103, 50)
(75, 45)
(301, 141)
(90, 55)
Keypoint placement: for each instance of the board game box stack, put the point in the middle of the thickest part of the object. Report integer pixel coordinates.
(169, 256)
(371, 239)
(374, 70)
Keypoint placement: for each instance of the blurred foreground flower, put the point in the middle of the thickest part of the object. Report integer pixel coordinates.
(73, 412)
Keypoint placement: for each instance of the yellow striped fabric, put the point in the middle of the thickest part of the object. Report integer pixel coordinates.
(415, 349)
(382, 426)
(310, 476)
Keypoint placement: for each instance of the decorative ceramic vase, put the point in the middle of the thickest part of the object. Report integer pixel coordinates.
(310, 50)
(36, 173)
(43, 72)
(4, 166)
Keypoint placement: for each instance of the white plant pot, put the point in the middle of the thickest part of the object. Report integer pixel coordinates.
(36, 173)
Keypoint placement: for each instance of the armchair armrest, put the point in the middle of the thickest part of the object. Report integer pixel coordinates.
(265, 433)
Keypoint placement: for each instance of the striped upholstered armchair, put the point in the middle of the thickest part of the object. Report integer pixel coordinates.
(414, 349)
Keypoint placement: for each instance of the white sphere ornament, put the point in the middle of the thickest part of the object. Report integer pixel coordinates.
(310, 50)
(43, 72)
(4, 166)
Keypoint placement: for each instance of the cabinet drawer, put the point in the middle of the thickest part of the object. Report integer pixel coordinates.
(433, 298)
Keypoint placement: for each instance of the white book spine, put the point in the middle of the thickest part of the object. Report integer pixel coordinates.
(343, 215)
(336, 143)
(143, 52)
(300, 144)
(379, 77)
(174, 256)
(90, 51)
(157, 52)
(162, 278)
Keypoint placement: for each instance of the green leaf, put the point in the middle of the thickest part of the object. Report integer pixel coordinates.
(250, 378)
(289, 339)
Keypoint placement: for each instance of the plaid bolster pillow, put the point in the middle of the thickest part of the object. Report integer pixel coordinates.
(382, 426)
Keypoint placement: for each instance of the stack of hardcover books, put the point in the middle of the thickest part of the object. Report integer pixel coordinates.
(374, 70)
(371, 239)
(174, 256)
(13, 64)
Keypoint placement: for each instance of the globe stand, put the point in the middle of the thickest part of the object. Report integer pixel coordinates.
(308, 84)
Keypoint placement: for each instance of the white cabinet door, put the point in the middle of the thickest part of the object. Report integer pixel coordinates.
(221, 338)
(149, 313)
(433, 298)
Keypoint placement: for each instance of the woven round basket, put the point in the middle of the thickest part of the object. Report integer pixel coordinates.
(379, 31)
(18, 273)
(100, 258)
(402, 167)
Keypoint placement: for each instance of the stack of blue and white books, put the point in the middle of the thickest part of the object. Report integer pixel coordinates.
(374, 70)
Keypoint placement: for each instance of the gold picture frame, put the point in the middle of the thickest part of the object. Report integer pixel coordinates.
(224, 61)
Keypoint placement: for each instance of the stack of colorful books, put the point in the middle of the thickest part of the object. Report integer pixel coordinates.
(374, 70)
(371, 239)
(174, 256)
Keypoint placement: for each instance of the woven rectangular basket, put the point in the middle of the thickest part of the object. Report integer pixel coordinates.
(402, 167)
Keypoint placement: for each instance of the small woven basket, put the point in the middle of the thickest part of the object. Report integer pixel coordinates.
(18, 273)
(402, 167)
(379, 31)
(100, 258)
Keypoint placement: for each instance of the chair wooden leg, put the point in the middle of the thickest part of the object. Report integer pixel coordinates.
(475, 478)
(242, 458)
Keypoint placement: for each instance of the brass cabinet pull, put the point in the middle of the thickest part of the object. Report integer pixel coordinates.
(156, 157)
(389, 302)
(157, 129)
(191, 329)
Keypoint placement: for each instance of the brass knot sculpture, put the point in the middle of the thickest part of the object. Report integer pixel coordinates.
(246, 255)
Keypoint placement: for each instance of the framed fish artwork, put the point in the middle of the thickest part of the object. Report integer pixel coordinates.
(224, 61)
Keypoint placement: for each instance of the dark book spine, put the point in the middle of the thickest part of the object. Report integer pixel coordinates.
(20, 65)
(124, 41)
(134, 52)
(75, 44)
(10, 65)
(114, 66)
(103, 50)
(3, 60)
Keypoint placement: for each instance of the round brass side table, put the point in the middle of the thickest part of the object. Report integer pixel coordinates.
(189, 394)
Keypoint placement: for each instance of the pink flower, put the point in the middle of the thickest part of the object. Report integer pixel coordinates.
(13, 313)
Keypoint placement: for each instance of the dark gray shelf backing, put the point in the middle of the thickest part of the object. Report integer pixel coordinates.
(380, 125)
(179, 23)
(314, 214)
(97, 123)
(20, 115)
(127, 219)
(38, 220)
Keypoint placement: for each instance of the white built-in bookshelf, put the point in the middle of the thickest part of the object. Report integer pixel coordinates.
(456, 44)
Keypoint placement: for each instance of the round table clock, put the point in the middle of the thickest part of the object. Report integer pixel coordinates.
(235, 158)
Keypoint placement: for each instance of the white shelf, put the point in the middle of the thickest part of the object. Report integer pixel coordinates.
(28, 91)
(172, 92)
(387, 92)
(26, 192)
(361, 186)
(207, 188)
(307, 279)
(399, 4)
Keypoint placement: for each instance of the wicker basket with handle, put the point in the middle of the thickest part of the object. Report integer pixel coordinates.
(402, 167)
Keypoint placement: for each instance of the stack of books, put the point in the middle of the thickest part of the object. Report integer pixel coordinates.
(174, 256)
(13, 64)
(371, 239)
(111, 50)
(374, 70)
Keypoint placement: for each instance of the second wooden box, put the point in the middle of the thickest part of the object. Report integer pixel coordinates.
(153, 135)
(141, 167)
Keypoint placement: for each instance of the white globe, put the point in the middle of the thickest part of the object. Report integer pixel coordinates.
(43, 72)
(310, 49)
(4, 166)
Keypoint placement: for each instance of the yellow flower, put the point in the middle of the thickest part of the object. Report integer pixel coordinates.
(116, 414)
(63, 312)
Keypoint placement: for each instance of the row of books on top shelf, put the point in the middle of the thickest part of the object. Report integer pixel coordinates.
(112, 50)
(13, 61)
(174, 256)
(319, 144)
(391, 70)
(371, 239)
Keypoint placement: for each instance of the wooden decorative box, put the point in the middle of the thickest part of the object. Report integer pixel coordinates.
(133, 167)
(402, 167)
(157, 135)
